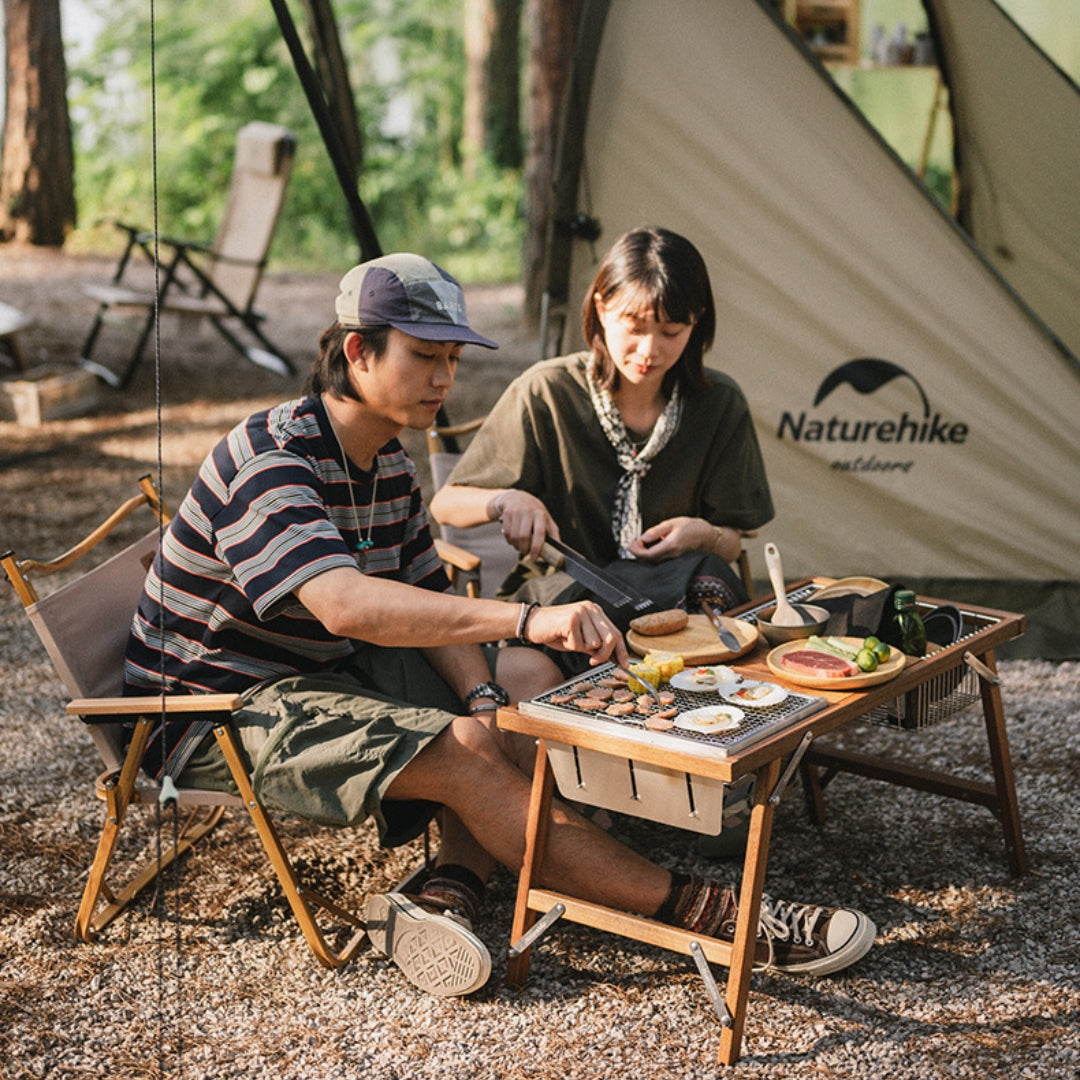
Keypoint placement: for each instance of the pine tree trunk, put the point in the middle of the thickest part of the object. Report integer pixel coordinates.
(552, 28)
(37, 177)
(502, 114)
(492, 119)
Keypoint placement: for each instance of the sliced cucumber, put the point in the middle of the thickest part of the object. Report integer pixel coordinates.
(832, 645)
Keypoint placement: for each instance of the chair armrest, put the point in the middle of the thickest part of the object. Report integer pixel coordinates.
(200, 246)
(134, 706)
(143, 235)
(457, 557)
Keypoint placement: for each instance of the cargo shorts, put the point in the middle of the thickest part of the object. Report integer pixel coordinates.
(326, 745)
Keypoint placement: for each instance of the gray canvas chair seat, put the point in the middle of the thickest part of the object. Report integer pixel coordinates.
(84, 626)
(477, 559)
(215, 281)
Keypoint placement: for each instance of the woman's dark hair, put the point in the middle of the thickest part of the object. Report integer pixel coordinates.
(329, 372)
(654, 268)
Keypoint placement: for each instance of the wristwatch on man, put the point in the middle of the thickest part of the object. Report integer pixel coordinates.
(490, 690)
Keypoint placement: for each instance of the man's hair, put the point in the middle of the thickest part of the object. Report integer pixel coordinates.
(330, 369)
(654, 268)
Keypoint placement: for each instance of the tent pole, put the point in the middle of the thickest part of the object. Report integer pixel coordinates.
(362, 225)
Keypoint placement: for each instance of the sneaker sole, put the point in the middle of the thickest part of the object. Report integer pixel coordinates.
(854, 949)
(433, 952)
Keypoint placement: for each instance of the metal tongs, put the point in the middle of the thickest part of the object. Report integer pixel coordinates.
(649, 688)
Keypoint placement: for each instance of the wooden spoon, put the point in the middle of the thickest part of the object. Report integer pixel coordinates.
(786, 614)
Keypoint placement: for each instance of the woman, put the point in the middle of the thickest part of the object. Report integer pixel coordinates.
(632, 452)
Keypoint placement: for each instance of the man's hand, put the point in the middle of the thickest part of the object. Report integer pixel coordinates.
(581, 627)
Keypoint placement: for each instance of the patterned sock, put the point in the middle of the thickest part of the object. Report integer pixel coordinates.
(697, 904)
(454, 888)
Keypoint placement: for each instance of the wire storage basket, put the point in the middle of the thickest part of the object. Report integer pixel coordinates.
(952, 688)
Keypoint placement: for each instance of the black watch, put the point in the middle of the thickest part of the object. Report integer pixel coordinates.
(489, 690)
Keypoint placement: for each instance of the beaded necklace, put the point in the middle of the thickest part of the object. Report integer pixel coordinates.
(364, 543)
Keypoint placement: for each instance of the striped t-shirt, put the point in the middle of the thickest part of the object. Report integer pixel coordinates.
(269, 510)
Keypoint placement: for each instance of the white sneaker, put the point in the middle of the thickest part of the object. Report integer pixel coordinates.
(437, 953)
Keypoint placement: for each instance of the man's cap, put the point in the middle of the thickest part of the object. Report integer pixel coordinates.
(409, 293)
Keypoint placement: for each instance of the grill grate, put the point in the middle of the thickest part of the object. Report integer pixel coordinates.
(757, 724)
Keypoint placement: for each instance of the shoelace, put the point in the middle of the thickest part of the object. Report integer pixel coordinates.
(783, 920)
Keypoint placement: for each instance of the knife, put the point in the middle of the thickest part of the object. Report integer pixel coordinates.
(625, 600)
(727, 638)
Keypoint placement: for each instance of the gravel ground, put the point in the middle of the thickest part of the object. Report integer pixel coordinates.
(974, 974)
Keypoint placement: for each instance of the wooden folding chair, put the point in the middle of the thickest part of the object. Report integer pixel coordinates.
(218, 281)
(478, 559)
(494, 558)
(84, 627)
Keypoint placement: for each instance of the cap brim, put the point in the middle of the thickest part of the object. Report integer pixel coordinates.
(444, 332)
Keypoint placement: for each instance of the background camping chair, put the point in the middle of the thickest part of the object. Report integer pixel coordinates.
(84, 627)
(12, 322)
(492, 558)
(217, 281)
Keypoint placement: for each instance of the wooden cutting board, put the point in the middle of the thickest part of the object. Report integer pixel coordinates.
(697, 642)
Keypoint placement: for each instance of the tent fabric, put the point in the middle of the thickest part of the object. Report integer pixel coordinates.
(918, 423)
(1016, 121)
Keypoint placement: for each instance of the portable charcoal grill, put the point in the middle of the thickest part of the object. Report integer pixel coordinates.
(668, 796)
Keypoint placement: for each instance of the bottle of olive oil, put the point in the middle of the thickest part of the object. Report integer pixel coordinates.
(906, 630)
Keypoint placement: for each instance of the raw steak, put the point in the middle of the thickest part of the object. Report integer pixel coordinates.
(818, 664)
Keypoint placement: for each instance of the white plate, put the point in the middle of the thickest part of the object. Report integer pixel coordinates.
(712, 720)
(702, 679)
(755, 695)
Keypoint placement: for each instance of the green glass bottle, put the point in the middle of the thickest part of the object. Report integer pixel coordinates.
(906, 630)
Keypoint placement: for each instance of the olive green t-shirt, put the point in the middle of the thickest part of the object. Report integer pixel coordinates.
(543, 436)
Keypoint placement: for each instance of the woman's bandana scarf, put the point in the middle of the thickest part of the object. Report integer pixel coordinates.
(635, 463)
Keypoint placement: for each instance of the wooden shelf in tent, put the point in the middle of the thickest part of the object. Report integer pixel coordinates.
(830, 28)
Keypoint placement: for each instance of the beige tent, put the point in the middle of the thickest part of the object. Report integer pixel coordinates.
(1016, 118)
(919, 422)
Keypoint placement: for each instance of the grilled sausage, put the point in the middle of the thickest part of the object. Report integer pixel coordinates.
(657, 623)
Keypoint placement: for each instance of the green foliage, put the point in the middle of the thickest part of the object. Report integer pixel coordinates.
(215, 66)
(471, 226)
(940, 181)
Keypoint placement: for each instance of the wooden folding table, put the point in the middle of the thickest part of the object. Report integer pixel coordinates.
(772, 761)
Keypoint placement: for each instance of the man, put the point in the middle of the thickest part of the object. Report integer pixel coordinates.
(300, 571)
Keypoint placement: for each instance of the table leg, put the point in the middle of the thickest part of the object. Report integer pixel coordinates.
(813, 791)
(750, 890)
(1004, 779)
(536, 831)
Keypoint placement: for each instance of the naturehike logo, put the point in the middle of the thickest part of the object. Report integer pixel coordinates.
(866, 376)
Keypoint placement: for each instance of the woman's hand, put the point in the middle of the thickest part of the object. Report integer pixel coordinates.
(676, 536)
(581, 627)
(526, 522)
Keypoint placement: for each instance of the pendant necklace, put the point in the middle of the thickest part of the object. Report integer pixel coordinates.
(363, 543)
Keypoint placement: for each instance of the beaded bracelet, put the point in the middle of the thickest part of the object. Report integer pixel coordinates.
(523, 621)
